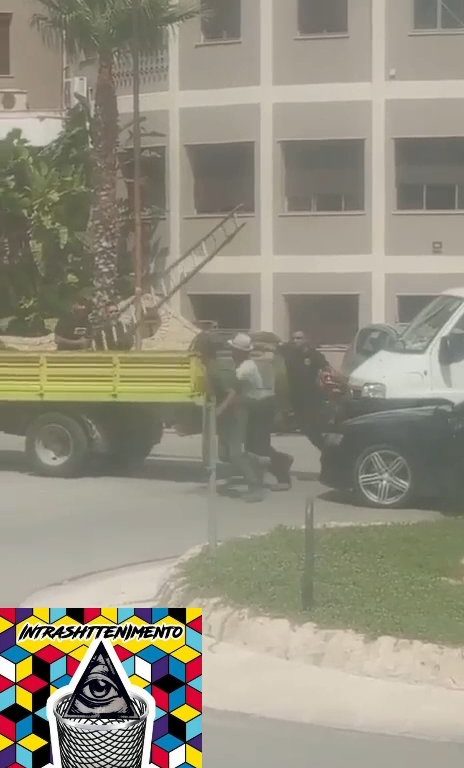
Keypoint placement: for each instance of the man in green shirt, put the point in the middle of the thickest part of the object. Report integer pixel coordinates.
(232, 415)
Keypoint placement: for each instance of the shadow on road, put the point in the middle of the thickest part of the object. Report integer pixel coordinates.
(13, 461)
(448, 508)
(167, 468)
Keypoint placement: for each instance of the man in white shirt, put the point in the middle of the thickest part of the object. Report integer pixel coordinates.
(248, 432)
(260, 406)
(233, 415)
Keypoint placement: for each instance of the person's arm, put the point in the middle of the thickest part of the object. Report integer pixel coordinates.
(62, 339)
(228, 401)
(70, 344)
(319, 361)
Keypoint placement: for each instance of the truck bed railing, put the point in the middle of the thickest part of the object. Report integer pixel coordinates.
(99, 377)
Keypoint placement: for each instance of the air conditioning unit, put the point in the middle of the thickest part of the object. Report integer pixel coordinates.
(12, 100)
(74, 86)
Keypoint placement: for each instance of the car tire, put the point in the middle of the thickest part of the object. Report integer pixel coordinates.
(383, 477)
(57, 445)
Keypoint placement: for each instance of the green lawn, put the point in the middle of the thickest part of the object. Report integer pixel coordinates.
(381, 580)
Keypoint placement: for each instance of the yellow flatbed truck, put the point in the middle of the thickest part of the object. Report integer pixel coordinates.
(71, 406)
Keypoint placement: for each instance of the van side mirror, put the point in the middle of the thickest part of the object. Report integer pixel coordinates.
(452, 349)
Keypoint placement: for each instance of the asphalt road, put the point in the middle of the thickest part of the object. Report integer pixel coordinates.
(235, 740)
(54, 530)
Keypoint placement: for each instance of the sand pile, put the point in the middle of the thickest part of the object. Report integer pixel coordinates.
(172, 332)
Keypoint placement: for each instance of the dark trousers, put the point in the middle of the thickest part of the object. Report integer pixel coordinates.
(258, 440)
(312, 421)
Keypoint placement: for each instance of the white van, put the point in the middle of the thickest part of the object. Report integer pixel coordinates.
(427, 360)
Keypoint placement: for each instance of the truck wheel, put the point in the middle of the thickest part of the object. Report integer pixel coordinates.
(56, 445)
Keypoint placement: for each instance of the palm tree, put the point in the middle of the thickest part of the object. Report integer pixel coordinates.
(103, 30)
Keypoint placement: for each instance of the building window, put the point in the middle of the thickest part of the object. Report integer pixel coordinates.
(5, 52)
(221, 20)
(153, 190)
(153, 181)
(322, 17)
(324, 176)
(329, 320)
(410, 306)
(430, 174)
(226, 311)
(439, 14)
(223, 177)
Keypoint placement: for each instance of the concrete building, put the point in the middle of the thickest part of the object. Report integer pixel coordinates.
(31, 76)
(339, 127)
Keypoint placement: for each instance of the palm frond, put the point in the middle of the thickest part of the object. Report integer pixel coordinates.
(93, 26)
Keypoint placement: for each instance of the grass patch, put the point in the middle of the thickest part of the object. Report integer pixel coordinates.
(380, 580)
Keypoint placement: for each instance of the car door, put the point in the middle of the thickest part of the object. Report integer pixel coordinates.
(448, 370)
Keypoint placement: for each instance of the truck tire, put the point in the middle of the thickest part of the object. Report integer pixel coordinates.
(57, 445)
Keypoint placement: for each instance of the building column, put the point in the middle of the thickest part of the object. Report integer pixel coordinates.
(266, 165)
(378, 204)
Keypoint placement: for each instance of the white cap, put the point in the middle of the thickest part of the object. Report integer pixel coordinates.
(242, 342)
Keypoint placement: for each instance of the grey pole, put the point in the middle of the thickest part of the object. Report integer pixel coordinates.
(307, 586)
(210, 449)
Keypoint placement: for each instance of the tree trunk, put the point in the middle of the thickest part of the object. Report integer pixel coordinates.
(103, 225)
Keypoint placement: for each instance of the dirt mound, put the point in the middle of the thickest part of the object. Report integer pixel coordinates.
(172, 332)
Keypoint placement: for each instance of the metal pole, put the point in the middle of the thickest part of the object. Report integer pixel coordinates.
(210, 450)
(307, 590)
(138, 268)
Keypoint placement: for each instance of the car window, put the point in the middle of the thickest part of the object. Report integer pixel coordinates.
(428, 324)
(370, 341)
(459, 327)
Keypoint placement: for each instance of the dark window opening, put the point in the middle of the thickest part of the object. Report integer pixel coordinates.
(322, 17)
(324, 176)
(225, 311)
(5, 43)
(430, 174)
(224, 177)
(330, 320)
(221, 20)
(153, 180)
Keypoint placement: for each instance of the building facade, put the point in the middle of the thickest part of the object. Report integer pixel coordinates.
(31, 76)
(339, 129)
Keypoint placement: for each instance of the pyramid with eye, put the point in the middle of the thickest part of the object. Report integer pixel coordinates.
(100, 692)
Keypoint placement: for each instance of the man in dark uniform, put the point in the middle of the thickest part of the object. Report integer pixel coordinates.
(73, 331)
(305, 364)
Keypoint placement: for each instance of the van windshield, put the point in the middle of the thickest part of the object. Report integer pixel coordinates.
(425, 327)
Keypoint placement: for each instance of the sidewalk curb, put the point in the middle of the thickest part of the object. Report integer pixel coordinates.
(297, 684)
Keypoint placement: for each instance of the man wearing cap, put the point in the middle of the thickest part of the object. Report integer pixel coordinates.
(233, 414)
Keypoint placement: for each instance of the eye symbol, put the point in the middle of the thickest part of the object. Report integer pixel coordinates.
(99, 689)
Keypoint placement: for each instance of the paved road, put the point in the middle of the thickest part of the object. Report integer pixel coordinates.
(234, 740)
(52, 530)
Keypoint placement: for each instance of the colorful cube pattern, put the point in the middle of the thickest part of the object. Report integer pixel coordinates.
(170, 670)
